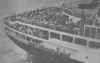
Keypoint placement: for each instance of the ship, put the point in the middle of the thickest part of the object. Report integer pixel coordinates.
(56, 33)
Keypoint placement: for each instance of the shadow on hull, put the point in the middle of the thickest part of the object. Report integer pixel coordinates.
(40, 56)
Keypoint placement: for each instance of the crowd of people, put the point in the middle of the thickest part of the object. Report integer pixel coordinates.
(31, 31)
(51, 17)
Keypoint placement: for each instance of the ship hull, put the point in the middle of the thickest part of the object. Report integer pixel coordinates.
(41, 56)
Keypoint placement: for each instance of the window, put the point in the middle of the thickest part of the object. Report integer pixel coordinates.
(98, 31)
(93, 44)
(36, 40)
(54, 35)
(44, 34)
(89, 22)
(93, 32)
(80, 41)
(98, 34)
(35, 32)
(87, 31)
(67, 38)
(36, 43)
(40, 33)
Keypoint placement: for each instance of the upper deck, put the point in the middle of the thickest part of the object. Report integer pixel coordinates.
(57, 19)
(60, 19)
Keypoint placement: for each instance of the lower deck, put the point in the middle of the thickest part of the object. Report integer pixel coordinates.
(41, 55)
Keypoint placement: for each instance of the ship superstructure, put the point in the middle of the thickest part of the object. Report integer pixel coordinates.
(56, 29)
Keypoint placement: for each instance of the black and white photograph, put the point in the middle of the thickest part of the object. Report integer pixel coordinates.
(49, 31)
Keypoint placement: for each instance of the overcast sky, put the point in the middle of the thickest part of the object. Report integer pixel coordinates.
(22, 4)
